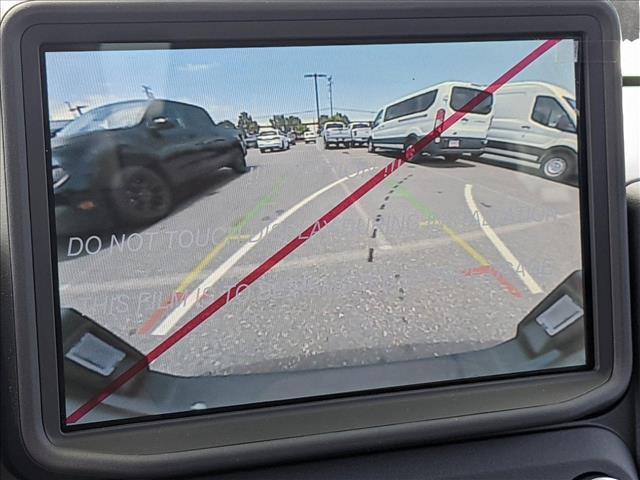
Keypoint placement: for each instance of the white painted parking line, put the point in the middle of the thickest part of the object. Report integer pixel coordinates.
(187, 304)
(509, 257)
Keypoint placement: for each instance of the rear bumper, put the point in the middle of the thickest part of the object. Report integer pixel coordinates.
(272, 144)
(456, 145)
(337, 139)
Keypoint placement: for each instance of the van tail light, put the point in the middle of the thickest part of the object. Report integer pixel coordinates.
(439, 126)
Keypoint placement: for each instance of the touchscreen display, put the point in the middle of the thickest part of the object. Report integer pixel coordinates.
(239, 227)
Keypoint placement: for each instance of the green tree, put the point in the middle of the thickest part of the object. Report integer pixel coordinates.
(295, 124)
(247, 125)
(279, 122)
(337, 117)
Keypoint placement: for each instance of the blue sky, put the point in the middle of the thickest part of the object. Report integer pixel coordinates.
(267, 81)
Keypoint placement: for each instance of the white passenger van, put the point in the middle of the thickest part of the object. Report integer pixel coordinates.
(402, 123)
(534, 125)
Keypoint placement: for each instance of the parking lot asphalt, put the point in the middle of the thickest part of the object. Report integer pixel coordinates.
(442, 257)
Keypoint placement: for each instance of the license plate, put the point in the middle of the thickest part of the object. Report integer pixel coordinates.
(454, 143)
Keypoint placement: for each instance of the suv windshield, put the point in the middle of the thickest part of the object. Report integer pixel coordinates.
(333, 125)
(109, 117)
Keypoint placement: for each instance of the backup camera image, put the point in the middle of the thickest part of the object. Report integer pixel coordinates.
(242, 226)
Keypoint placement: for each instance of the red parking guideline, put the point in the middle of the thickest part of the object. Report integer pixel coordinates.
(298, 241)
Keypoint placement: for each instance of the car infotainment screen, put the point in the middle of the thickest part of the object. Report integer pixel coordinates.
(244, 226)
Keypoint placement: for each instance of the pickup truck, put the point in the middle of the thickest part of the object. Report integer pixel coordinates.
(128, 159)
(360, 133)
(336, 133)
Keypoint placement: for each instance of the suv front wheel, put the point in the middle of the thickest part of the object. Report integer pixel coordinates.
(141, 196)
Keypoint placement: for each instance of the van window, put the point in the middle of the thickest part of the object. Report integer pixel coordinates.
(548, 112)
(461, 96)
(416, 104)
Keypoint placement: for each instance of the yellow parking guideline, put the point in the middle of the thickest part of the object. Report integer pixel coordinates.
(431, 219)
(233, 235)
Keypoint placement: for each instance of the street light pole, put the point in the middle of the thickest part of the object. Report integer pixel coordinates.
(148, 92)
(315, 77)
(330, 82)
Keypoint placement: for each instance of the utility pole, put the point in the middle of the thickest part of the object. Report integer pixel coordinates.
(315, 77)
(148, 91)
(330, 82)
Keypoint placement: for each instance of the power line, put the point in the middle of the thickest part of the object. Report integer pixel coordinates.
(347, 109)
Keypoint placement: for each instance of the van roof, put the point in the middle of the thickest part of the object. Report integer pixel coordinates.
(434, 87)
(536, 85)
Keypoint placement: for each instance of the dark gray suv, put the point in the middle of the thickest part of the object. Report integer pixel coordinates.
(126, 158)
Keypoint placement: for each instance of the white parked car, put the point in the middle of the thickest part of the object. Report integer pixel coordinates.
(360, 133)
(310, 136)
(270, 139)
(534, 124)
(400, 124)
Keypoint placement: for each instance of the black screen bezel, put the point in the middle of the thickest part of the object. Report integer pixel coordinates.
(318, 427)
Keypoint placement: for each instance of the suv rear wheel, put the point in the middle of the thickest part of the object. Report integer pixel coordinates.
(409, 144)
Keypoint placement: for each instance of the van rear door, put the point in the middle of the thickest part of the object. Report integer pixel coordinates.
(476, 123)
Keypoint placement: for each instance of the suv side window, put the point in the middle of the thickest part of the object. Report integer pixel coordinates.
(547, 111)
(378, 119)
(184, 116)
(196, 118)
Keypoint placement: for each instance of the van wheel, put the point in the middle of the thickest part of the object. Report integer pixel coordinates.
(409, 145)
(558, 165)
(239, 164)
(140, 195)
(371, 148)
